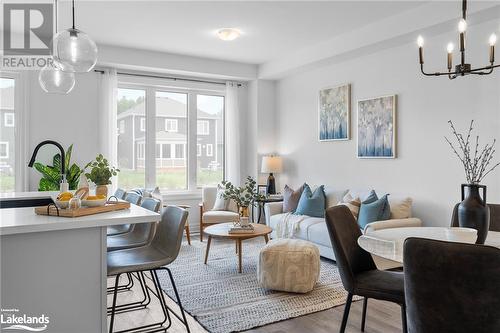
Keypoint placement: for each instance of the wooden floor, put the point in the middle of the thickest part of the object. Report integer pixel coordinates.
(382, 317)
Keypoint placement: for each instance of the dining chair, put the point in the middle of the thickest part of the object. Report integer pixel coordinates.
(140, 235)
(357, 269)
(133, 198)
(451, 287)
(118, 229)
(153, 257)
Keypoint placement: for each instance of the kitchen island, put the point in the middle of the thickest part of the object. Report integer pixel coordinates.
(55, 267)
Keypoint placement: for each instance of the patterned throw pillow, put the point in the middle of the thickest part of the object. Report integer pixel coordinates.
(312, 204)
(352, 203)
(291, 198)
(220, 203)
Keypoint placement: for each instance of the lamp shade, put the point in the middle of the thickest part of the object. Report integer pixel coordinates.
(272, 164)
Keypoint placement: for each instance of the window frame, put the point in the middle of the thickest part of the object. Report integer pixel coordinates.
(172, 121)
(192, 89)
(6, 116)
(6, 143)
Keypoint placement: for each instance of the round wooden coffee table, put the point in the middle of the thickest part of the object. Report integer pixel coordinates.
(221, 230)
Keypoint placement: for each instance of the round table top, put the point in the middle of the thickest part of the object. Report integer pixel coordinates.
(221, 230)
(388, 243)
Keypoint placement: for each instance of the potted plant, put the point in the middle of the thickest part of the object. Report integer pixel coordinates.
(100, 174)
(473, 211)
(244, 196)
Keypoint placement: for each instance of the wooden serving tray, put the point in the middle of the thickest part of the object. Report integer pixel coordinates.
(110, 206)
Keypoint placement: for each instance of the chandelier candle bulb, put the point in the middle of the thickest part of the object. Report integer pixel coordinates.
(449, 48)
(493, 40)
(420, 43)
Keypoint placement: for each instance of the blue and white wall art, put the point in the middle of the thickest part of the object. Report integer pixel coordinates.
(334, 113)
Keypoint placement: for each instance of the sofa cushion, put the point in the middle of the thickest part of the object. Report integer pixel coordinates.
(291, 198)
(374, 211)
(220, 203)
(400, 207)
(220, 216)
(333, 196)
(303, 226)
(318, 233)
(312, 204)
(352, 203)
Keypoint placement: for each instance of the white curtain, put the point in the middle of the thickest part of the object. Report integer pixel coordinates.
(108, 126)
(233, 132)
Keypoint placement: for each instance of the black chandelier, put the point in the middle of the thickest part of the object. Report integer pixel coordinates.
(463, 68)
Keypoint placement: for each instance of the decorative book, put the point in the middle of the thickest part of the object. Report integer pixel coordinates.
(246, 229)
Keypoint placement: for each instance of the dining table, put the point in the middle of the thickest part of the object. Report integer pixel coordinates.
(389, 243)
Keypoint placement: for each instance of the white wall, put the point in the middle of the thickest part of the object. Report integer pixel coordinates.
(67, 119)
(425, 168)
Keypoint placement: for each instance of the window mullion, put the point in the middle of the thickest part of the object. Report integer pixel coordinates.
(192, 140)
(150, 158)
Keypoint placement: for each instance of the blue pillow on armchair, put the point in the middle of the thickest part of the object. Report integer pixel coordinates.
(372, 211)
(312, 204)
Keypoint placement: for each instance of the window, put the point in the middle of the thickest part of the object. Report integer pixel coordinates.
(131, 150)
(203, 127)
(8, 119)
(122, 126)
(171, 125)
(177, 123)
(143, 124)
(210, 150)
(8, 138)
(210, 168)
(4, 150)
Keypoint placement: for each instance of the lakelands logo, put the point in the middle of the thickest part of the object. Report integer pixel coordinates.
(28, 29)
(11, 319)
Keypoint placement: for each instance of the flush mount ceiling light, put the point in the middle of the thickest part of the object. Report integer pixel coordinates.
(74, 50)
(462, 68)
(228, 34)
(52, 79)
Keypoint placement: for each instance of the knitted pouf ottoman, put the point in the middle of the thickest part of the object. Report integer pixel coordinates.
(289, 265)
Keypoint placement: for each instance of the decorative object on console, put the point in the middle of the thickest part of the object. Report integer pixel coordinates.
(374, 210)
(462, 68)
(312, 204)
(334, 113)
(74, 50)
(100, 174)
(262, 190)
(244, 196)
(473, 212)
(377, 127)
(291, 198)
(271, 164)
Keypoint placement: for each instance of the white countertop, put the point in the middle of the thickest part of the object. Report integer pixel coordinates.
(24, 220)
(27, 195)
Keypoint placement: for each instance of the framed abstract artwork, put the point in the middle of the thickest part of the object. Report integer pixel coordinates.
(335, 113)
(377, 127)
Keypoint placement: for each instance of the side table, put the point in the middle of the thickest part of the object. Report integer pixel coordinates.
(261, 204)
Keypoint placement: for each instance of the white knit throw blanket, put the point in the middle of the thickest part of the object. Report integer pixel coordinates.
(288, 226)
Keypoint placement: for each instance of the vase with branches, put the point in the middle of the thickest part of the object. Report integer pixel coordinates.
(245, 196)
(477, 161)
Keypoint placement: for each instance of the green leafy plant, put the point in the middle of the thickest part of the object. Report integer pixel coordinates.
(245, 195)
(100, 171)
(51, 174)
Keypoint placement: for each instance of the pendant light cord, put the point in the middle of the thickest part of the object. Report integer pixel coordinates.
(73, 10)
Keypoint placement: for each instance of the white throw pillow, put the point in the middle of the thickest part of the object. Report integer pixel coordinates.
(220, 203)
(400, 208)
(352, 203)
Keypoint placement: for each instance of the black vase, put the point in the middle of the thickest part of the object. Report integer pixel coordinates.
(473, 212)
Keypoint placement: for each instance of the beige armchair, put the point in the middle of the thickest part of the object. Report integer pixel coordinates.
(209, 216)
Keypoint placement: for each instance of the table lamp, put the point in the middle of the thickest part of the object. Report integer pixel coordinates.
(271, 164)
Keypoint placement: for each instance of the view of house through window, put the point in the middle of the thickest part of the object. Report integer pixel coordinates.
(131, 138)
(7, 135)
(172, 138)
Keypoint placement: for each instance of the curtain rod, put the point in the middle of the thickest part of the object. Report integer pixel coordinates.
(167, 77)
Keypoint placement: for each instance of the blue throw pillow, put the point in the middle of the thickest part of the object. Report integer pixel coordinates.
(372, 196)
(377, 210)
(312, 204)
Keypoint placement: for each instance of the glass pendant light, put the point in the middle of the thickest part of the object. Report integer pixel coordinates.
(52, 79)
(74, 50)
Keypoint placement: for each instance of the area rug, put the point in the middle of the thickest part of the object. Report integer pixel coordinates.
(222, 300)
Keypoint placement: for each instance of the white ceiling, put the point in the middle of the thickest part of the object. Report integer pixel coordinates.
(271, 29)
